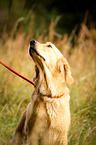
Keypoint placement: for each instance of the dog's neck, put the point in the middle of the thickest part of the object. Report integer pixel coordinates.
(48, 85)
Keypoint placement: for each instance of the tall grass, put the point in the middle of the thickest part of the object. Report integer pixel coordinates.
(15, 93)
(83, 91)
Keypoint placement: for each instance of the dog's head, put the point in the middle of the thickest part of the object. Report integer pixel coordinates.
(50, 60)
(44, 53)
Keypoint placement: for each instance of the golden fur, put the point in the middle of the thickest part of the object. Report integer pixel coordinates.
(47, 117)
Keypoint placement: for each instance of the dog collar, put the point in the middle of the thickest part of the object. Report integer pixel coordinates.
(57, 96)
(49, 96)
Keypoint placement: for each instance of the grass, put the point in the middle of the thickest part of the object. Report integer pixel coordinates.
(15, 93)
(83, 93)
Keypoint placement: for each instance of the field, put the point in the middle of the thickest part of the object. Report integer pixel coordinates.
(15, 92)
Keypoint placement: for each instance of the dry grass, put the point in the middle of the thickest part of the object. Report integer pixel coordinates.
(15, 93)
(83, 92)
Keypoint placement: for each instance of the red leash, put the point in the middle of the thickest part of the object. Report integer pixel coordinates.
(17, 74)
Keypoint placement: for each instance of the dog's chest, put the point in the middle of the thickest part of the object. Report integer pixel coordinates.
(52, 119)
(58, 112)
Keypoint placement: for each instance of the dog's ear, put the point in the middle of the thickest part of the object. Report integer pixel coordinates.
(68, 77)
(65, 71)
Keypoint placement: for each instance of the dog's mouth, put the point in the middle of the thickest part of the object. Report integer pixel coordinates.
(32, 49)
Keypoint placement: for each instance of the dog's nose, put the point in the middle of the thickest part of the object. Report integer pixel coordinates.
(32, 42)
(32, 47)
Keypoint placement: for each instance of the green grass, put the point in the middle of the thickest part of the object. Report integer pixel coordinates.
(15, 92)
(83, 114)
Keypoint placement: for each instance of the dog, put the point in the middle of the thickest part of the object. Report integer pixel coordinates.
(47, 118)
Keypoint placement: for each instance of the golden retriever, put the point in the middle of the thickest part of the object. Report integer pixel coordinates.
(47, 117)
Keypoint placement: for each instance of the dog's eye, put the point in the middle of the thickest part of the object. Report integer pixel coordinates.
(49, 46)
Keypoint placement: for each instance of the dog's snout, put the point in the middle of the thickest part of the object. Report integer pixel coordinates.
(32, 42)
(32, 47)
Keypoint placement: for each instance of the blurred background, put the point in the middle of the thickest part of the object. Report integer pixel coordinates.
(71, 26)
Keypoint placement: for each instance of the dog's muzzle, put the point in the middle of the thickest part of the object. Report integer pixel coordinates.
(32, 49)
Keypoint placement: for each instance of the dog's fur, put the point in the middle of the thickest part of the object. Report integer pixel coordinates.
(47, 117)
